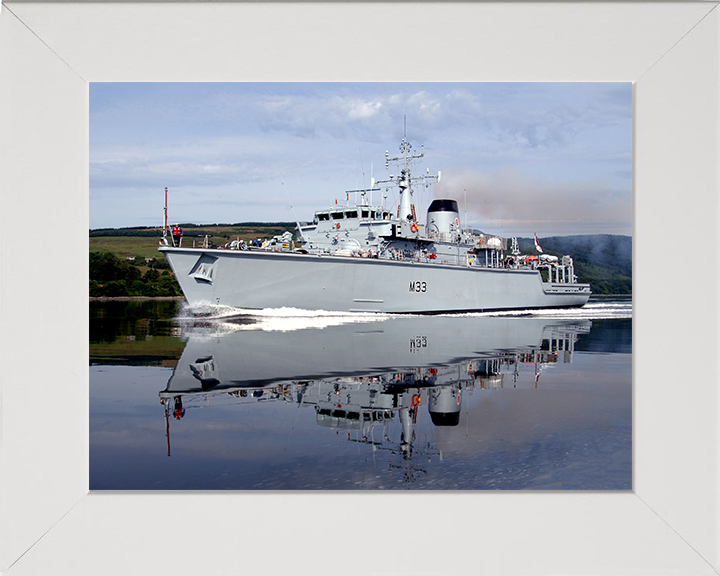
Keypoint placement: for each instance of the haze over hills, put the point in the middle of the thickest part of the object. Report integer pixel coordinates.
(603, 260)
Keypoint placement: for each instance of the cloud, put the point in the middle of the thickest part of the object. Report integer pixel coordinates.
(241, 140)
(371, 114)
(510, 202)
(202, 162)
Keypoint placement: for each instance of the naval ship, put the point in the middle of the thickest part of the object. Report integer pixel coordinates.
(369, 258)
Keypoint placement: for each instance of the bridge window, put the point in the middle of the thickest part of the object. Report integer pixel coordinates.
(351, 214)
(336, 215)
(323, 217)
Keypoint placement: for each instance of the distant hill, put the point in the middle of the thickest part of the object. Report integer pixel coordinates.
(603, 260)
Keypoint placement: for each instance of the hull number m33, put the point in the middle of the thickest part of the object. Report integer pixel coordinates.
(418, 287)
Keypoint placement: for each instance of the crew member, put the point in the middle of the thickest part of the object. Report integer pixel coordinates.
(177, 234)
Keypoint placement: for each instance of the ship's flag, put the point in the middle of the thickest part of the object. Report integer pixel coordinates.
(537, 244)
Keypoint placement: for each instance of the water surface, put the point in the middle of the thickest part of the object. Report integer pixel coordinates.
(290, 401)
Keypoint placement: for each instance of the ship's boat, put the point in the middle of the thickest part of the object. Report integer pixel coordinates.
(369, 258)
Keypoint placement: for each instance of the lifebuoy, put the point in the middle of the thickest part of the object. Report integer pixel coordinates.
(413, 228)
(415, 400)
(337, 225)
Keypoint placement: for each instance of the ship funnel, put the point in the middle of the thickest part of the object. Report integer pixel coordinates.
(443, 217)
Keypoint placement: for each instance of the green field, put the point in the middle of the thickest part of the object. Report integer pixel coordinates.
(122, 243)
(124, 246)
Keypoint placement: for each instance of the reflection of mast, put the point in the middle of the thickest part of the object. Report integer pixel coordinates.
(167, 426)
(178, 413)
(408, 419)
(407, 401)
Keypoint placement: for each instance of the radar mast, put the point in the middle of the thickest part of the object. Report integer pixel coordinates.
(405, 180)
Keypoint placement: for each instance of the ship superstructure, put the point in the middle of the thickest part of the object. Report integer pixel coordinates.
(369, 258)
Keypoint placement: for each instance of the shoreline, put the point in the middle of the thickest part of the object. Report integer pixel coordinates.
(609, 295)
(132, 298)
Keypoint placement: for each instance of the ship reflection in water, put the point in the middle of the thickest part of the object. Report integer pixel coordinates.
(409, 394)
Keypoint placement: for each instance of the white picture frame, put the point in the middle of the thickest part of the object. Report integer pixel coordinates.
(50, 523)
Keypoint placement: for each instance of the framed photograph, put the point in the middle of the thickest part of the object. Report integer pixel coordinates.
(391, 326)
(51, 52)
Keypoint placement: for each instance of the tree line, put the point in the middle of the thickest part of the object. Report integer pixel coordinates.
(111, 276)
(154, 231)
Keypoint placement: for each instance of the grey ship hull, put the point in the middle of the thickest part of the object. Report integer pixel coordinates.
(257, 279)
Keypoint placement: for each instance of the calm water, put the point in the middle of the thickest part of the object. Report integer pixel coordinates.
(348, 402)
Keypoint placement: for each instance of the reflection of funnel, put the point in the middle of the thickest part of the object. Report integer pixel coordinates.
(444, 406)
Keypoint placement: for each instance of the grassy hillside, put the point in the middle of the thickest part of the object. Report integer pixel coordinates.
(126, 246)
(128, 242)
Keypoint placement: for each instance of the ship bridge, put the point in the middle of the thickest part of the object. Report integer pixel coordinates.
(355, 213)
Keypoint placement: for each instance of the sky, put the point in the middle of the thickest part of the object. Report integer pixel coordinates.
(553, 159)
